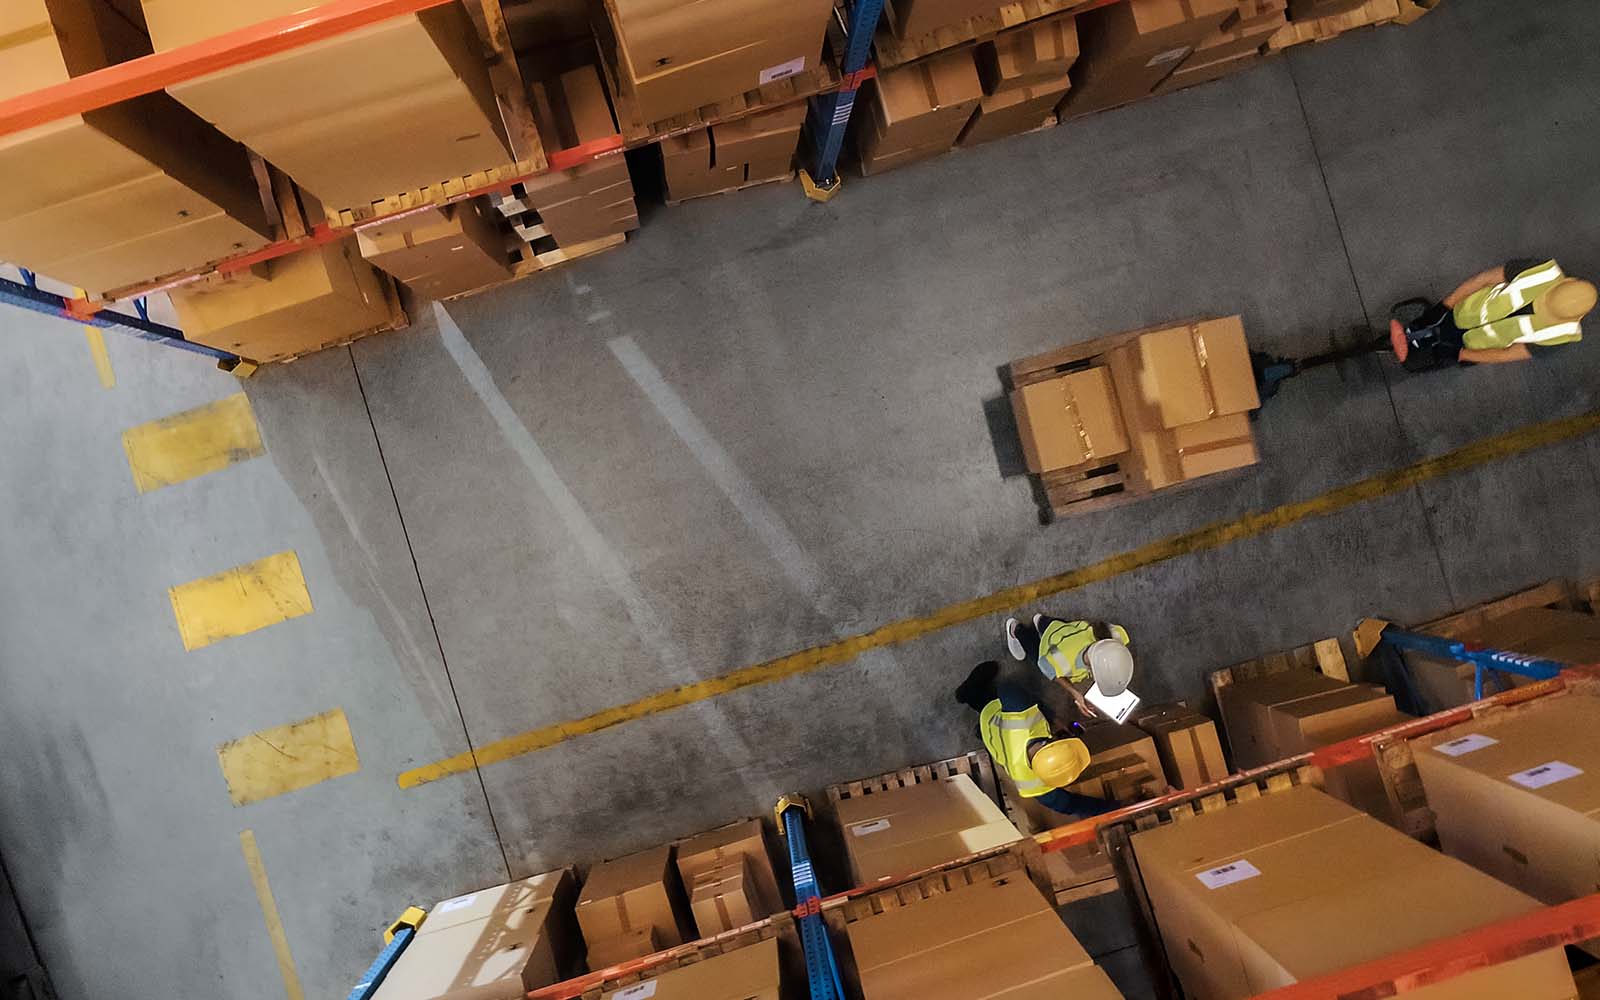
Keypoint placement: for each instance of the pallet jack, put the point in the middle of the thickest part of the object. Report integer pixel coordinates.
(1428, 335)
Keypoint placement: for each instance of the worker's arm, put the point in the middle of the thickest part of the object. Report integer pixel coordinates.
(1493, 276)
(1497, 356)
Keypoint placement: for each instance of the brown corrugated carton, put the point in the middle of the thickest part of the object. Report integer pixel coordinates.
(1309, 10)
(1518, 795)
(915, 18)
(1257, 12)
(1069, 420)
(494, 944)
(1215, 445)
(750, 973)
(994, 938)
(724, 898)
(1013, 112)
(1193, 77)
(1245, 898)
(124, 194)
(751, 150)
(1191, 754)
(918, 109)
(1032, 55)
(440, 252)
(309, 300)
(1244, 706)
(1124, 765)
(1129, 48)
(622, 948)
(354, 119)
(677, 57)
(1235, 39)
(595, 199)
(715, 848)
(903, 830)
(1198, 371)
(632, 894)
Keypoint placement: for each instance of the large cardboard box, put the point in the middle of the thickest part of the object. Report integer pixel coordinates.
(1069, 420)
(1295, 884)
(309, 300)
(1215, 445)
(593, 200)
(915, 18)
(610, 951)
(1244, 706)
(750, 973)
(743, 841)
(916, 111)
(636, 893)
(1124, 765)
(1308, 10)
(124, 194)
(1013, 112)
(440, 252)
(1236, 38)
(677, 57)
(724, 157)
(1517, 795)
(903, 830)
(1191, 754)
(1129, 48)
(1569, 636)
(1198, 371)
(1193, 77)
(494, 944)
(994, 938)
(354, 119)
(723, 898)
(1033, 55)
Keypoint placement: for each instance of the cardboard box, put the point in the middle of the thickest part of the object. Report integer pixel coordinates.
(1517, 795)
(750, 973)
(995, 938)
(724, 898)
(1245, 898)
(1244, 705)
(622, 948)
(736, 841)
(494, 944)
(1186, 741)
(354, 119)
(1198, 371)
(1124, 765)
(916, 18)
(903, 830)
(1236, 38)
(637, 893)
(1570, 636)
(731, 155)
(440, 252)
(124, 194)
(1310, 10)
(920, 108)
(1215, 445)
(590, 201)
(1257, 12)
(1186, 77)
(1033, 55)
(1013, 112)
(678, 57)
(310, 299)
(1069, 420)
(1129, 48)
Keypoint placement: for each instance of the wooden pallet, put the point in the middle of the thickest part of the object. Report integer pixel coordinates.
(1070, 875)
(398, 320)
(530, 261)
(1561, 594)
(890, 51)
(975, 764)
(780, 179)
(604, 982)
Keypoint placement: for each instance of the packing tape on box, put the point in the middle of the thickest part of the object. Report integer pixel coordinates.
(1077, 423)
(1205, 369)
(1206, 777)
(723, 916)
(622, 914)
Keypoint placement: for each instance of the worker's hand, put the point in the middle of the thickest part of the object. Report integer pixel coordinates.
(1397, 340)
(1083, 704)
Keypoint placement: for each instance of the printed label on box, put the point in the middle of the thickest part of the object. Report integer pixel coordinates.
(1466, 744)
(1546, 774)
(782, 70)
(1216, 878)
(876, 826)
(642, 991)
(1170, 55)
(451, 905)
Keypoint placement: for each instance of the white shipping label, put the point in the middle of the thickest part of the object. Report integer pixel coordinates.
(1171, 55)
(640, 991)
(782, 70)
(1545, 774)
(1466, 744)
(1216, 878)
(451, 905)
(876, 826)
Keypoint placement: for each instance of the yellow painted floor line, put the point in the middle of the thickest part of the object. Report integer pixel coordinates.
(287, 758)
(102, 360)
(190, 444)
(269, 913)
(1210, 537)
(240, 600)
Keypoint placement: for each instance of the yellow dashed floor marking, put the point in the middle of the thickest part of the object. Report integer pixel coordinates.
(269, 913)
(190, 444)
(287, 758)
(240, 600)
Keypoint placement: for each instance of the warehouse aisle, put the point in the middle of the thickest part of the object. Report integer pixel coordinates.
(765, 426)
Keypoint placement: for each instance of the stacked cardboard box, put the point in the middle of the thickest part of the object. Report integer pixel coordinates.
(120, 195)
(917, 111)
(1129, 48)
(1071, 420)
(587, 202)
(903, 830)
(1517, 795)
(996, 937)
(1233, 47)
(1295, 884)
(631, 907)
(749, 973)
(1568, 636)
(1028, 56)
(751, 150)
(494, 944)
(729, 876)
(440, 252)
(1186, 742)
(1321, 28)
(354, 119)
(1280, 715)
(289, 306)
(915, 18)
(677, 57)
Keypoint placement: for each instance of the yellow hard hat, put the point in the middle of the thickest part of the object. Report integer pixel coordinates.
(1570, 300)
(1060, 762)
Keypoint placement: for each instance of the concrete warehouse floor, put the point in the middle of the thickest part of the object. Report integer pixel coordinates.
(759, 427)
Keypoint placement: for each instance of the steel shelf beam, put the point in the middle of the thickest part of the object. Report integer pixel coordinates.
(28, 295)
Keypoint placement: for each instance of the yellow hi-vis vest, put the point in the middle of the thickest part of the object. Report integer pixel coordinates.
(1006, 735)
(1487, 320)
(1062, 645)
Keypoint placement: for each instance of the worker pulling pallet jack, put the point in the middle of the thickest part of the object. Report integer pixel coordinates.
(1515, 312)
(1091, 662)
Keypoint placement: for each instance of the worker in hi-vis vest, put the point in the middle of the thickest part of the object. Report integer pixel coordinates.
(1509, 313)
(1085, 656)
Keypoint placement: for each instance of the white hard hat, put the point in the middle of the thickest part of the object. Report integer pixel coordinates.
(1112, 666)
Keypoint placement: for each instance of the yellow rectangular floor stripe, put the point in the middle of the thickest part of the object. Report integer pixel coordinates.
(240, 600)
(190, 444)
(269, 913)
(1203, 539)
(287, 758)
